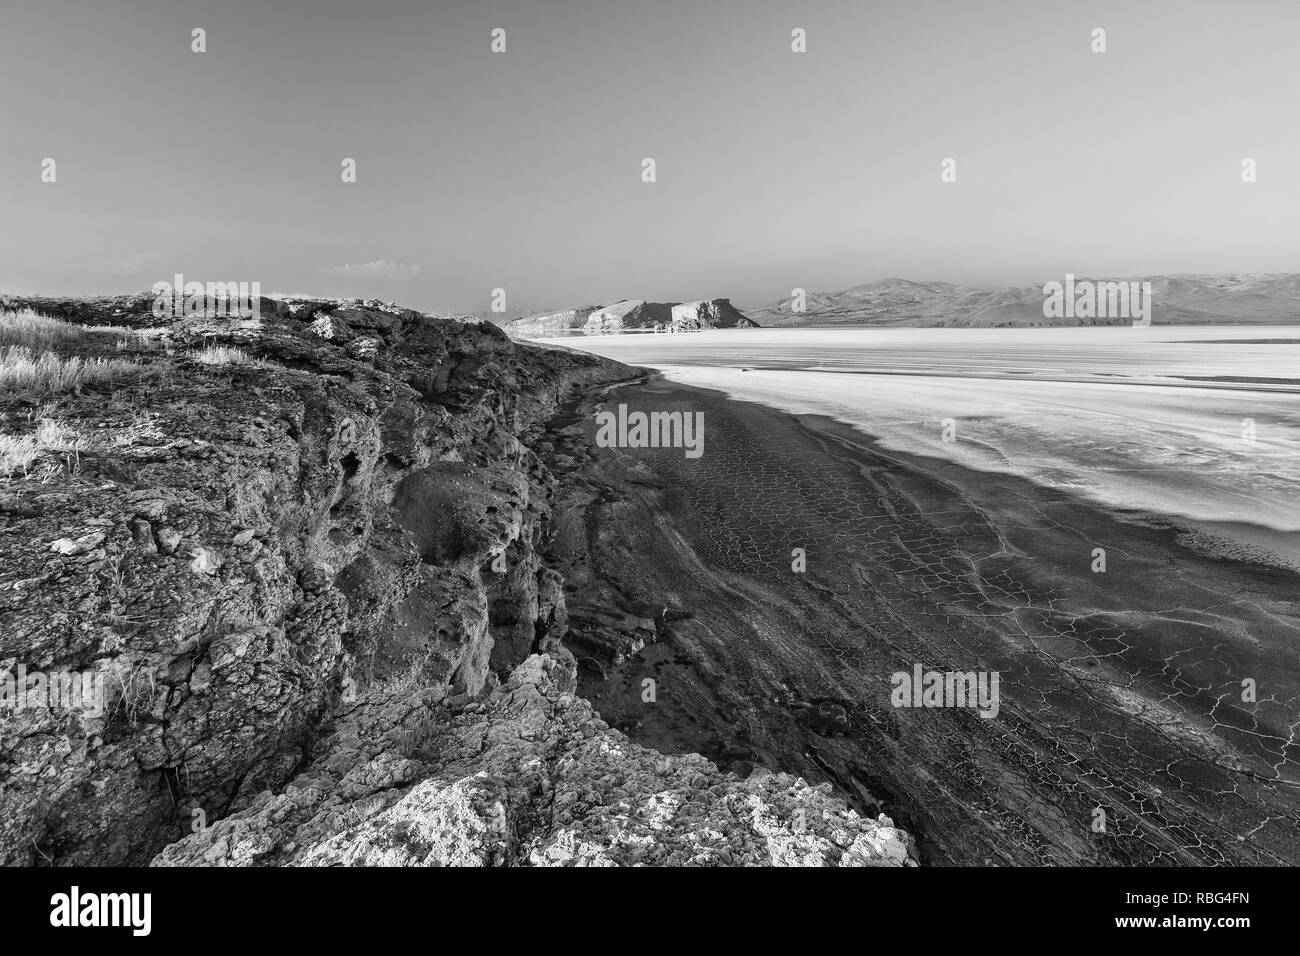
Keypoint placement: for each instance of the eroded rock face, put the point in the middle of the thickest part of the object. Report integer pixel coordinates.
(528, 775)
(709, 314)
(550, 323)
(301, 554)
(238, 549)
(627, 315)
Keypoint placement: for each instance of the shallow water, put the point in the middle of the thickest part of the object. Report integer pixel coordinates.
(1202, 423)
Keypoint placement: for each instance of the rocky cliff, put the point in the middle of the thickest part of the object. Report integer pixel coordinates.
(300, 556)
(549, 324)
(709, 314)
(628, 315)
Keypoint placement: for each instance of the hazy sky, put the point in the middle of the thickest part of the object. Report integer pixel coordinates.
(522, 170)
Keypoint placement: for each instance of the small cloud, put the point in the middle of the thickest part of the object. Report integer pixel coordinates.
(126, 266)
(380, 268)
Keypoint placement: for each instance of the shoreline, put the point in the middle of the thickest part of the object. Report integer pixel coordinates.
(972, 568)
(1130, 421)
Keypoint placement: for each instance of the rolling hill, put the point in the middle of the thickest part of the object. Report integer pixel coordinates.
(1176, 300)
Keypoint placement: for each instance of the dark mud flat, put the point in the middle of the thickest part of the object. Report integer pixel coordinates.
(1122, 736)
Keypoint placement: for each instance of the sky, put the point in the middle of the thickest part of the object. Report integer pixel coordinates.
(523, 170)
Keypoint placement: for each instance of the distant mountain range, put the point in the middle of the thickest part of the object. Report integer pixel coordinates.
(1176, 300)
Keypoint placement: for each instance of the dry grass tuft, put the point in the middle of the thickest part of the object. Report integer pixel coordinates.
(20, 368)
(53, 450)
(19, 452)
(32, 330)
(138, 693)
(27, 328)
(225, 355)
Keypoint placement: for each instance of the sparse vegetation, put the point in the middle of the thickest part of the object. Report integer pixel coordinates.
(28, 362)
(27, 328)
(21, 368)
(53, 449)
(19, 452)
(35, 331)
(226, 355)
(138, 695)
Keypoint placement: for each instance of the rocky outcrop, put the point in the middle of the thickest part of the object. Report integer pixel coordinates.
(633, 315)
(708, 314)
(351, 505)
(628, 315)
(300, 555)
(528, 775)
(549, 325)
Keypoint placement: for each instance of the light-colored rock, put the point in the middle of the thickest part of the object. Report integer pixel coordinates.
(71, 546)
(529, 775)
(708, 314)
(611, 318)
(549, 324)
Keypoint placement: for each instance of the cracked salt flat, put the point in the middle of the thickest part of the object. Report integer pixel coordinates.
(1121, 691)
(1148, 419)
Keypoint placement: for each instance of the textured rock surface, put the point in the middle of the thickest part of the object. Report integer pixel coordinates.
(303, 553)
(627, 315)
(529, 775)
(549, 324)
(260, 542)
(709, 314)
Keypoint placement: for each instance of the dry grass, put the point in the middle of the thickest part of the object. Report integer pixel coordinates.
(53, 450)
(20, 368)
(138, 693)
(27, 328)
(41, 332)
(19, 452)
(132, 337)
(225, 355)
